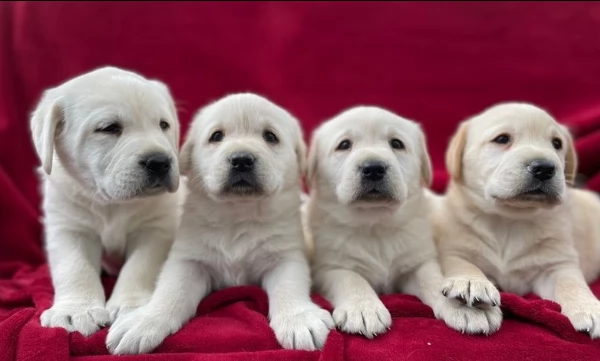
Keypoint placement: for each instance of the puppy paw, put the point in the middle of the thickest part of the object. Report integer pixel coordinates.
(302, 329)
(119, 306)
(367, 317)
(585, 317)
(137, 332)
(472, 292)
(484, 319)
(83, 317)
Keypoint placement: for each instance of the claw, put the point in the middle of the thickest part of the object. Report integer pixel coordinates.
(445, 292)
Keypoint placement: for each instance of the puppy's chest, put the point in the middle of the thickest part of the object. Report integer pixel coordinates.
(514, 254)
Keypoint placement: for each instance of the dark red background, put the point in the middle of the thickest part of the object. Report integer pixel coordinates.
(433, 62)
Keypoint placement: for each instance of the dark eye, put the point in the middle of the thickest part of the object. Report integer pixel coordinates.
(270, 137)
(216, 137)
(502, 139)
(344, 145)
(396, 144)
(164, 125)
(557, 143)
(113, 128)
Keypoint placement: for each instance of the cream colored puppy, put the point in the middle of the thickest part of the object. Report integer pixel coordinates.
(108, 144)
(369, 220)
(509, 218)
(241, 226)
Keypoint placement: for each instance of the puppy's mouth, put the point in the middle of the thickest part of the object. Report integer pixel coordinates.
(242, 184)
(374, 193)
(539, 195)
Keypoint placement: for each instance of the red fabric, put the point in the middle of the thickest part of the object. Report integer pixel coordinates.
(435, 62)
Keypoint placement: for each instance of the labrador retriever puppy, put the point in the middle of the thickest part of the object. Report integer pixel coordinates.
(510, 220)
(108, 145)
(241, 226)
(368, 217)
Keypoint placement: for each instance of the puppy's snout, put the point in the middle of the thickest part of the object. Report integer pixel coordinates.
(373, 170)
(542, 169)
(157, 164)
(242, 162)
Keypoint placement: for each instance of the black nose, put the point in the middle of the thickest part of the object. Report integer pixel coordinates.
(157, 164)
(373, 170)
(541, 169)
(242, 162)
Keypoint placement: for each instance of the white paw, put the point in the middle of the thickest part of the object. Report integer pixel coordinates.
(484, 319)
(471, 291)
(366, 316)
(139, 331)
(119, 306)
(585, 317)
(302, 329)
(83, 317)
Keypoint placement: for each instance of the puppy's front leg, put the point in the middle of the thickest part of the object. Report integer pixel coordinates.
(181, 285)
(424, 282)
(566, 286)
(145, 256)
(357, 308)
(74, 260)
(298, 323)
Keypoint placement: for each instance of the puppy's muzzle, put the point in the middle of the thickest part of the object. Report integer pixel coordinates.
(374, 183)
(242, 179)
(157, 167)
(541, 185)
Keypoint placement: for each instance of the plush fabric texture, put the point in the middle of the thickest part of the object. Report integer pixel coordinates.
(436, 63)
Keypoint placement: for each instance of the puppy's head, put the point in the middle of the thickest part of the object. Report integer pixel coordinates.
(243, 147)
(368, 157)
(112, 130)
(513, 155)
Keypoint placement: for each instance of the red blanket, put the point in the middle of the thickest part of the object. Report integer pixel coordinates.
(434, 62)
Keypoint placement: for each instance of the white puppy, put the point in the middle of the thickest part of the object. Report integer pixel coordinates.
(509, 217)
(241, 226)
(108, 144)
(369, 219)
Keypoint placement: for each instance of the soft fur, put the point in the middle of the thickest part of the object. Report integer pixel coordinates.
(235, 233)
(498, 225)
(98, 198)
(373, 237)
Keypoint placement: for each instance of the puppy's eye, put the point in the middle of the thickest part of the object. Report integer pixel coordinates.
(344, 145)
(216, 137)
(113, 128)
(502, 139)
(164, 125)
(396, 144)
(270, 137)
(557, 144)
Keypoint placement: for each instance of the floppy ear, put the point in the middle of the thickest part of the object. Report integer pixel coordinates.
(185, 155)
(311, 164)
(301, 154)
(454, 154)
(426, 171)
(44, 123)
(570, 159)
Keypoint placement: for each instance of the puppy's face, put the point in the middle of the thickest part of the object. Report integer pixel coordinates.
(369, 157)
(114, 131)
(243, 147)
(514, 155)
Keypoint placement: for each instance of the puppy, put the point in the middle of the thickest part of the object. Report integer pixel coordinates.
(509, 218)
(108, 145)
(241, 226)
(369, 219)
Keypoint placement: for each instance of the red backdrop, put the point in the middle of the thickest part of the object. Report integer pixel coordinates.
(434, 62)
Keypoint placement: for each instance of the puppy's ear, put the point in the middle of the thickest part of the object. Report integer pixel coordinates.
(570, 159)
(311, 164)
(45, 120)
(300, 149)
(454, 154)
(185, 155)
(426, 169)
